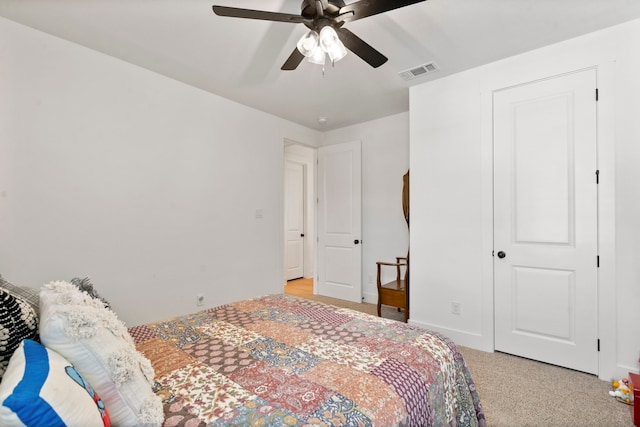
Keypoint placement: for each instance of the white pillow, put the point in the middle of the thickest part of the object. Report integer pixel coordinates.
(41, 388)
(92, 337)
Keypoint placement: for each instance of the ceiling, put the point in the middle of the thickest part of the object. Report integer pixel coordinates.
(240, 59)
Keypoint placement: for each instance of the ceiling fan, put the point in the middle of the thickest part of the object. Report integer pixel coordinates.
(325, 20)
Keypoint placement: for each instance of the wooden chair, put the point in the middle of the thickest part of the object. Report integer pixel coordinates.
(396, 292)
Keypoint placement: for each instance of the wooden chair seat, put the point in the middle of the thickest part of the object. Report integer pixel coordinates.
(394, 293)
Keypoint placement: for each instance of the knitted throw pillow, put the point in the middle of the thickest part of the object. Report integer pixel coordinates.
(30, 295)
(18, 321)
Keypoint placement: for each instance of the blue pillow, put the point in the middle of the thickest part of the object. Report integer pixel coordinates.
(41, 388)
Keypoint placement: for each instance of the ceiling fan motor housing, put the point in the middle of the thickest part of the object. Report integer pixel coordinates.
(310, 10)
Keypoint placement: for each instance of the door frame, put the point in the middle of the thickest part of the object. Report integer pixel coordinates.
(575, 346)
(605, 153)
(310, 177)
(310, 167)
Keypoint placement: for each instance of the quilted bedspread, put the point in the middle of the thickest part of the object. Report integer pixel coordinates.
(284, 361)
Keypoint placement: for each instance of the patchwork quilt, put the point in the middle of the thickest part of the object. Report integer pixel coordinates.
(279, 360)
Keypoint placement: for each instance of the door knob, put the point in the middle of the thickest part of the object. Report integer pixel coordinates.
(302, 235)
(501, 254)
(355, 242)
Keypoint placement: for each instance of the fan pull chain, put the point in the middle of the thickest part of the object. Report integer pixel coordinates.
(333, 64)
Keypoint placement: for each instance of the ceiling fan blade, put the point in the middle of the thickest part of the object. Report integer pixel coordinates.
(363, 8)
(293, 60)
(358, 46)
(235, 12)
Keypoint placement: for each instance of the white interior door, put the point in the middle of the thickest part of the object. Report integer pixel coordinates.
(339, 221)
(545, 213)
(294, 220)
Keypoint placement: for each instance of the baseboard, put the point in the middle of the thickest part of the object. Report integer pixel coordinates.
(370, 297)
(463, 338)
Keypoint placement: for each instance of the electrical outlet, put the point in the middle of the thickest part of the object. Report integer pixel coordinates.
(200, 300)
(370, 279)
(456, 308)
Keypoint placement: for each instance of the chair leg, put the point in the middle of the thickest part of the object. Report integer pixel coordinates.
(379, 308)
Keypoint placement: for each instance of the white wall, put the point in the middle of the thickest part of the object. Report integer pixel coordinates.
(385, 159)
(148, 186)
(451, 167)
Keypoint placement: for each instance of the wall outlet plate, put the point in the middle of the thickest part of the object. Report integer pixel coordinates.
(456, 308)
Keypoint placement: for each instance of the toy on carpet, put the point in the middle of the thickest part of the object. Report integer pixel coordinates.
(622, 391)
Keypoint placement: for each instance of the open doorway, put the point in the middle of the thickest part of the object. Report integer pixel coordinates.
(299, 212)
(302, 288)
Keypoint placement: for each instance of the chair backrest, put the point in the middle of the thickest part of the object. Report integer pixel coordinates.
(405, 208)
(406, 273)
(405, 196)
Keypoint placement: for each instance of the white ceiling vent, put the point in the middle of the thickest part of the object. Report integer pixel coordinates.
(419, 71)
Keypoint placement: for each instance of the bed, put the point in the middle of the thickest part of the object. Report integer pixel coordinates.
(280, 360)
(274, 360)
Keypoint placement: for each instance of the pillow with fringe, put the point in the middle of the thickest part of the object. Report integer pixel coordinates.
(97, 343)
(84, 284)
(41, 388)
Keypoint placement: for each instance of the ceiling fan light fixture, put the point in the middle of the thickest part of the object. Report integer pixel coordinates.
(337, 52)
(308, 43)
(331, 44)
(317, 56)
